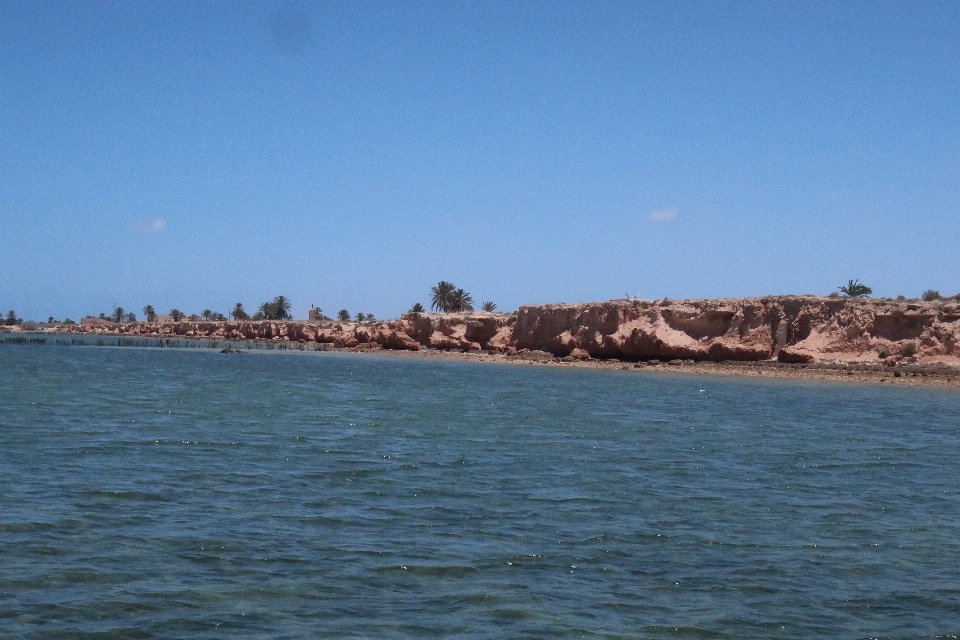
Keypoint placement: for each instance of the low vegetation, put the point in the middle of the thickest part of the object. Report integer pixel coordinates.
(855, 289)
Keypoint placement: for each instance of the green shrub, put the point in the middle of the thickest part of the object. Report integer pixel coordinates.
(884, 353)
(855, 290)
(930, 295)
(908, 350)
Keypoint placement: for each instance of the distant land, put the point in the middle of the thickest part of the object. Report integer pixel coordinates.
(789, 331)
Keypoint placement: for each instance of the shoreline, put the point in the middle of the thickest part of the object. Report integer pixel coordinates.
(882, 341)
(913, 374)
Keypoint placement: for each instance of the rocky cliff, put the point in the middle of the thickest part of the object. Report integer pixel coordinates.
(787, 328)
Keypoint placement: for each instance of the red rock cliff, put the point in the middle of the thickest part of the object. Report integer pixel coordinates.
(792, 329)
(788, 328)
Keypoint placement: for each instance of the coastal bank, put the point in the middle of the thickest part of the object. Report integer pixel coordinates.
(792, 336)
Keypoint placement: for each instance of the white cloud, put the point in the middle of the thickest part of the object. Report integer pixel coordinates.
(154, 226)
(663, 215)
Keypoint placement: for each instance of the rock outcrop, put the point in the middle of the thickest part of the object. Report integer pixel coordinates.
(785, 328)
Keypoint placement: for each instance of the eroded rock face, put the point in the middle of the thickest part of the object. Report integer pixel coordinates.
(788, 328)
(699, 330)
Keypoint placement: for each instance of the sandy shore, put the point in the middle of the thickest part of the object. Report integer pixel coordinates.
(904, 374)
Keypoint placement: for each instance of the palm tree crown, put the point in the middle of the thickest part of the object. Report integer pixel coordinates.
(281, 308)
(855, 290)
(266, 311)
(460, 301)
(440, 295)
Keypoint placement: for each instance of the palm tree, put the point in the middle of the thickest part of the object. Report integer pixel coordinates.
(131, 317)
(488, 306)
(207, 314)
(176, 314)
(238, 312)
(118, 314)
(440, 296)
(267, 311)
(219, 317)
(417, 308)
(360, 317)
(460, 301)
(343, 315)
(855, 290)
(149, 313)
(281, 308)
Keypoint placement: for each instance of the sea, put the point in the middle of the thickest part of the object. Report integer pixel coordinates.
(181, 492)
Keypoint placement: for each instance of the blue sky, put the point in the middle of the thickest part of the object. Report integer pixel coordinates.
(352, 154)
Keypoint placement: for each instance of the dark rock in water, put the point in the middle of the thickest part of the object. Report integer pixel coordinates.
(230, 350)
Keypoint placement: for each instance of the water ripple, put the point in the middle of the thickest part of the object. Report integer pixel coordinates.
(156, 493)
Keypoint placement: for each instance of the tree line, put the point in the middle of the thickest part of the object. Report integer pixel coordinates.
(276, 309)
(447, 297)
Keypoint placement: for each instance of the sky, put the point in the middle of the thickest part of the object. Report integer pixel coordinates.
(352, 154)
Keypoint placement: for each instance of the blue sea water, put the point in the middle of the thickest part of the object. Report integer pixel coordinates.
(185, 493)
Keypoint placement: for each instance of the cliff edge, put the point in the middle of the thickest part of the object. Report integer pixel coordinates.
(785, 328)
